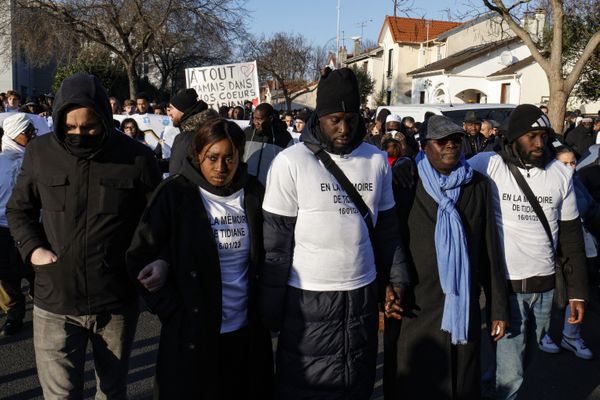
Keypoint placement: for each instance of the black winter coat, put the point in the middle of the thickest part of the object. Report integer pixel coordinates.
(580, 139)
(420, 360)
(90, 208)
(175, 226)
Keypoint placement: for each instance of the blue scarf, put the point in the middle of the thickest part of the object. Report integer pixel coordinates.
(450, 244)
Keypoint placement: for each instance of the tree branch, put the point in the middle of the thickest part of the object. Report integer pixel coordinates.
(586, 54)
(501, 9)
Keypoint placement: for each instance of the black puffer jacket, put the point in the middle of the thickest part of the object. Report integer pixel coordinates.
(90, 207)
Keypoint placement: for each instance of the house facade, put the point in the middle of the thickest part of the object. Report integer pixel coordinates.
(483, 71)
(401, 40)
(15, 74)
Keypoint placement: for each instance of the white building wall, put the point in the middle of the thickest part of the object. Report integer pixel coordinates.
(534, 84)
(305, 100)
(15, 74)
(490, 63)
(486, 31)
(6, 67)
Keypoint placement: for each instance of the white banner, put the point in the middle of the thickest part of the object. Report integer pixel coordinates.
(225, 85)
(155, 128)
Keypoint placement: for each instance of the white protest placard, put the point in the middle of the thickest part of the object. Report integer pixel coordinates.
(154, 127)
(225, 85)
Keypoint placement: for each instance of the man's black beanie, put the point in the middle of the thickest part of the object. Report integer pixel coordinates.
(338, 92)
(526, 118)
(184, 100)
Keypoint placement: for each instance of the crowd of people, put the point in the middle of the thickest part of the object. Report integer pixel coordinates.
(310, 224)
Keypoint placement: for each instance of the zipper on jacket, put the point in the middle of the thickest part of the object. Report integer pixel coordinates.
(85, 240)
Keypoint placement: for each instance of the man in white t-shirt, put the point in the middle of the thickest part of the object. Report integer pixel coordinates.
(319, 286)
(529, 256)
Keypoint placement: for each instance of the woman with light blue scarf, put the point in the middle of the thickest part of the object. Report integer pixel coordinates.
(448, 225)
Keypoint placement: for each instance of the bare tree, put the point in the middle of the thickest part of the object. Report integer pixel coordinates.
(127, 28)
(286, 59)
(403, 7)
(560, 80)
(182, 43)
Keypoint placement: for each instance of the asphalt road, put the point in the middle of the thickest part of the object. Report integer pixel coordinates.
(550, 377)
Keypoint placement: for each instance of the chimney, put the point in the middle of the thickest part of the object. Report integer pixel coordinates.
(356, 46)
(343, 55)
(533, 23)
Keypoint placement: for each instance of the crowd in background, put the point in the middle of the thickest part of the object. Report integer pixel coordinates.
(257, 229)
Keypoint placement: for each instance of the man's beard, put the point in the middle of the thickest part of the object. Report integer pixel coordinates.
(528, 160)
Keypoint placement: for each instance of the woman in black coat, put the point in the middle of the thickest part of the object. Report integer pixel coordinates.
(196, 256)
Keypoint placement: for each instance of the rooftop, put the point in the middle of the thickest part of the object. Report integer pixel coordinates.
(514, 68)
(463, 56)
(416, 30)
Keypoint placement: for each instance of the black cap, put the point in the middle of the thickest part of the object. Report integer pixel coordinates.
(439, 127)
(470, 116)
(526, 118)
(338, 92)
(184, 99)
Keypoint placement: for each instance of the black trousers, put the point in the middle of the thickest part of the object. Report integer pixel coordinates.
(234, 364)
(12, 270)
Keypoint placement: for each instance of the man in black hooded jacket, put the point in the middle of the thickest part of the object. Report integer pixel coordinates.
(319, 285)
(184, 111)
(266, 136)
(90, 184)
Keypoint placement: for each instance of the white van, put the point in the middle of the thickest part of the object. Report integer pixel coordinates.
(456, 112)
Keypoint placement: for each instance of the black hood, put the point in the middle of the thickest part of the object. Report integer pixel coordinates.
(82, 90)
(312, 134)
(193, 174)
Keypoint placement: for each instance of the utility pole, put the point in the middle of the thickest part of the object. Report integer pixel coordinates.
(337, 57)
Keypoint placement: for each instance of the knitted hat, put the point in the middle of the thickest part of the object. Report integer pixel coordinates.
(338, 92)
(526, 118)
(16, 124)
(184, 99)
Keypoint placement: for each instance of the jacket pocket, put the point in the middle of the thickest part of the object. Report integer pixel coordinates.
(45, 281)
(113, 192)
(53, 191)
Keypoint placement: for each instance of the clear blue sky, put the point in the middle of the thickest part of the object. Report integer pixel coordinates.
(316, 19)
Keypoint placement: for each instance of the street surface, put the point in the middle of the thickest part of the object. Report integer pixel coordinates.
(551, 376)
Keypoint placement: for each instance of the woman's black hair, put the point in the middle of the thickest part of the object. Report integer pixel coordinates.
(214, 130)
(563, 149)
(138, 135)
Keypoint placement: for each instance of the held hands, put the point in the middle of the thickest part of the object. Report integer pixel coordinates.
(154, 275)
(577, 311)
(498, 329)
(42, 256)
(393, 300)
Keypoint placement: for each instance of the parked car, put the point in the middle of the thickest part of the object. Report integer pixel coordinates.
(456, 112)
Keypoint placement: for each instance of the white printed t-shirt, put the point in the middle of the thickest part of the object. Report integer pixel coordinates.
(230, 229)
(332, 249)
(522, 236)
